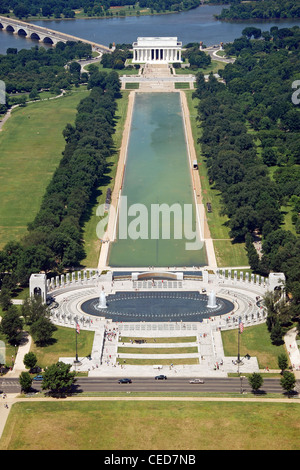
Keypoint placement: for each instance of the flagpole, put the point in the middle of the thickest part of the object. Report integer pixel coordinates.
(238, 358)
(76, 333)
(240, 329)
(76, 360)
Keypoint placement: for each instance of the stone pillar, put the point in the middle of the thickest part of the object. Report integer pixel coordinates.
(205, 276)
(38, 286)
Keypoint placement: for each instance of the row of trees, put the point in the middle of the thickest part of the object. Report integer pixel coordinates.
(248, 194)
(195, 57)
(67, 8)
(58, 379)
(34, 314)
(117, 59)
(266, 69)
(54, 238)
(256, 97)
(255, 9)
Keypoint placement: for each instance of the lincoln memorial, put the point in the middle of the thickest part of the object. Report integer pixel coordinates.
(157, 50)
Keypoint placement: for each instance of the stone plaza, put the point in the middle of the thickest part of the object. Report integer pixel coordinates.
(245, 292)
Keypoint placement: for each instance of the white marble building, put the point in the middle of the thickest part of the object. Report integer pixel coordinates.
(161, 50)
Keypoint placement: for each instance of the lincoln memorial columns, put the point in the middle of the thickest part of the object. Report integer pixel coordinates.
(157, 50)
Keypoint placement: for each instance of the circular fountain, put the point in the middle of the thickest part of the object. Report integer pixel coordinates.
(188, 306)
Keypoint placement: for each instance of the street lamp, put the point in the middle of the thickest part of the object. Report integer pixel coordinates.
(242, 377)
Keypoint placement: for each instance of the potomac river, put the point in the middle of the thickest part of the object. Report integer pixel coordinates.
(194, 25)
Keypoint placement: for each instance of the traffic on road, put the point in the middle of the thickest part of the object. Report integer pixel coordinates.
(151, 384)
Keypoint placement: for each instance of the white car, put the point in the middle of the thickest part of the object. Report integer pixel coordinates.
(197, 381)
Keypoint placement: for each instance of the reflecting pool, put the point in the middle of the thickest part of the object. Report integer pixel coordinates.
(157, 218)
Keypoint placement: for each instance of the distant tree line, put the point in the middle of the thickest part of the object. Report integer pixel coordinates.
(54, 239)
(117, 59)
(249, 126)
(268, 9)
(195, 57)
(39, 68)
(67, 8)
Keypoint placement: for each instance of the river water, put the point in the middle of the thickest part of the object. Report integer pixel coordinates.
(194, 25)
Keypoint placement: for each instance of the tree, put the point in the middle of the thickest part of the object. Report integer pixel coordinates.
(25, 381)
(288, 381)
(33, 308)
(58, 379)
(33, 95)
(5, 300)
(269, 156)
(252, 253)
(42, 330)
(30, 360)
(255, 380)
(251, 31)
(75, 68)
(282, 362)
(276, 334)
(11, 325)
(21, 11)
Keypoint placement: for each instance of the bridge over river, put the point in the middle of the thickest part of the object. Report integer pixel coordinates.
(45, 35)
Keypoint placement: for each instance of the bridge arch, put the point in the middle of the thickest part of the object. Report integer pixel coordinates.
(10, 28)
(35, 36)
(1, 26)
(22, 32)
(48, 40)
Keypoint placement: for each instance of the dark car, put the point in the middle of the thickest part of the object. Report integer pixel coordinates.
(125, 381)
(38, 377)
(161, 377)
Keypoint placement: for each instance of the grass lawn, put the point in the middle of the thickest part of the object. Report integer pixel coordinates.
(214, 66)
(151, 425)
(136, 350)
(163, 362)
(125, 71)
(64, 346)
(132, 86)
(169, 339)
(230, 254)
(287, 221)
(31, 145)
(255, 340)
(180, 85)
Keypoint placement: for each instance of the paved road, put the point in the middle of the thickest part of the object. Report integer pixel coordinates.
(146, 384)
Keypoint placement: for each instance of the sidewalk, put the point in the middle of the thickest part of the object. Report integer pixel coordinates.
(293, 351)
(23, 349)
(5, 406)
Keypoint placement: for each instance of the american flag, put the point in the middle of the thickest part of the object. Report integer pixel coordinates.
(241, 325)
(77, 328)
